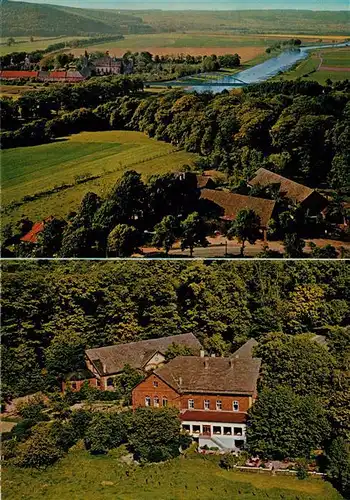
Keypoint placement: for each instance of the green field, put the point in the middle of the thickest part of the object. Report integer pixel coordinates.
(26, 171)
(312, 68)
(23, 44)
(336, 57)
(80, 476)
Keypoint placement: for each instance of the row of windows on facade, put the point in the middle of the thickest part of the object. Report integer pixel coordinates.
(215, 429)
(190, 403)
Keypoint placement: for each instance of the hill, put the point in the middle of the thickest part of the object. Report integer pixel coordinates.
(29, 19)
(38, 19)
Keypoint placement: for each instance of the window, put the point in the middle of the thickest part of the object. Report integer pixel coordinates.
(74, 385)
(98, 382)
(109, 382)
(206, 404)
(235, 406)
(196, 428)
(216, 429)
(206, 430)
(186, 427)
(227, 431)
(190, 404)
(237, 431)
(165, 402)
(155, 383)
(218, 404)
(147, 401)
(156, 401)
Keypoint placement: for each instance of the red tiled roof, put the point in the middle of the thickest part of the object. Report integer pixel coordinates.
(136, 354)
(291, 189)
(232, 203)
(214, 416)
(196, 374)
(57, 74)
(38, 227)
(19, 74)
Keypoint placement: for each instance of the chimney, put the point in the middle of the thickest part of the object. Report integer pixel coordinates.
(206, 364)
(202, 353)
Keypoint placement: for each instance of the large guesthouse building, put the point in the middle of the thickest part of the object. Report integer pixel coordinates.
(213, 395)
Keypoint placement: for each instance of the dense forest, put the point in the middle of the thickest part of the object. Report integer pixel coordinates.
(297, 129)
(53, 311)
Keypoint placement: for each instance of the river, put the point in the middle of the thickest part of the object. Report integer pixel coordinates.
(261, 72)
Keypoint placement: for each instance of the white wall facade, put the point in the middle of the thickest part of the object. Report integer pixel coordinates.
(225, 436)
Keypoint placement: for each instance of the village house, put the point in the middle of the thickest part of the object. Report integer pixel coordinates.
(309, 198)
(227, 206)
(106, 363)
(213, 395)
(37, 228)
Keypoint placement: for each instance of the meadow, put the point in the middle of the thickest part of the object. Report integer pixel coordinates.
(107, 477)
(333, 64)
(23, 44)
(197, 43)
(106, 155)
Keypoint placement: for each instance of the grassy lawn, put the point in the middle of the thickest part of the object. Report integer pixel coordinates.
(26, 171)
(79, 475)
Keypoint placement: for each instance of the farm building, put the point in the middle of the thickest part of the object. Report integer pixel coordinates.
(38, 227)
(213, 395)
(70, 76)
(227, 205)
(106, 363)
(308, 197)
(16, 75)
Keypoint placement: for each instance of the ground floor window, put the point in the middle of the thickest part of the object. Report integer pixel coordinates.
(239, 443)
(74, 385)
(165, 402)
(186, 427)
(206, 430)
(196, 428)
(156, 401)
(109, 382)
(227, 431)
(147, 401)
(216, 429)
(237, 431)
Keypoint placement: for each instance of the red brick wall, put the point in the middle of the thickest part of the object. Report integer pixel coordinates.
(78, 384)
(147, 389)
(227, 401)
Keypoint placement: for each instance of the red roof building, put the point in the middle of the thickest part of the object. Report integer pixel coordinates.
(38, 227)
(15, 75)
(212, 394)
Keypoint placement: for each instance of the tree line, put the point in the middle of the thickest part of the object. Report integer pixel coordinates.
(297, 129)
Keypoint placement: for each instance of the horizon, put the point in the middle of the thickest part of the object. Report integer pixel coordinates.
(202, 5)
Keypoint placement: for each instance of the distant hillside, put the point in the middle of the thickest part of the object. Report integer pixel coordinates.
(28, 19)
